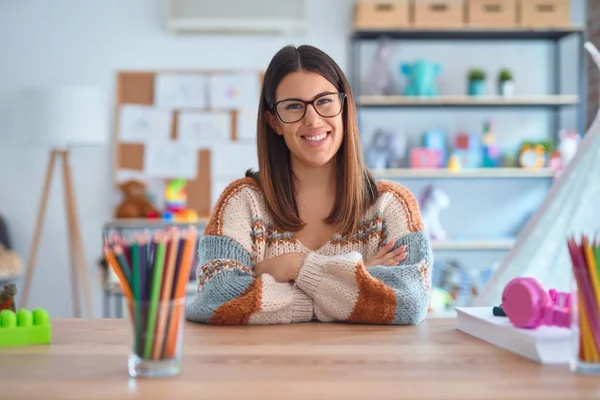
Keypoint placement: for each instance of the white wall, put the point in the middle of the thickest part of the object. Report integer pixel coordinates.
(74, 41)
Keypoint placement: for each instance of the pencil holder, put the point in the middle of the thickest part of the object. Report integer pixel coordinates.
(157, 332)
(585, 306)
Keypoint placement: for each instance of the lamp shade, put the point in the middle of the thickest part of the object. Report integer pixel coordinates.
(61, 116)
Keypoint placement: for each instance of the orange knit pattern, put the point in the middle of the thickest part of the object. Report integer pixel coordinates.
(333, 284)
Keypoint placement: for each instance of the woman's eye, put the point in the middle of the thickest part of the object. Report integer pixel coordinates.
(323, 101)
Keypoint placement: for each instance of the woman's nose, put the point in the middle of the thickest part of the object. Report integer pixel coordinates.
(311, 117)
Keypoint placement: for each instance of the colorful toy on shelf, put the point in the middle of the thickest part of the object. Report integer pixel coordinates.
(421, 157)
(421, 76)
(25, 327)
(454, 164)
(433, 201)
(386, 150)
(7, 297)
(491, 154)
(467, 148)
(568, 145)
(532, 155)
(176, 203)
(436, 140)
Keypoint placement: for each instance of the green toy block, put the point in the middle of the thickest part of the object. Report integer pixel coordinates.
(25, 327)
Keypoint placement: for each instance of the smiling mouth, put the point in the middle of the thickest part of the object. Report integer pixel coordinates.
(316, 138)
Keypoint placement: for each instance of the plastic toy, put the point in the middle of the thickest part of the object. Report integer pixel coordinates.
(421, 77)
(527, 305)
(436, 140)
(176, 203)
(433, 201)
(468, 150)
(568, 145)
(7, 297)
(421, 157)
(25, 327)
(491, 154)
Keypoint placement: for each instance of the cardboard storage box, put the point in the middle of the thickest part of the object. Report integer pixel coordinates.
(544, 13)
(381, 14)
(433, 14)
(492, 13)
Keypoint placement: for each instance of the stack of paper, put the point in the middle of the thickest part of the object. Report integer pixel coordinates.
(546, 344)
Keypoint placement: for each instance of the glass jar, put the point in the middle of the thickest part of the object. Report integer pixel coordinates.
(585, 355)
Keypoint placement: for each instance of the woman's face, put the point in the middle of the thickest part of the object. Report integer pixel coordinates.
(315, 138)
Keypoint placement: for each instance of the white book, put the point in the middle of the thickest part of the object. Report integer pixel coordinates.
(546, 344)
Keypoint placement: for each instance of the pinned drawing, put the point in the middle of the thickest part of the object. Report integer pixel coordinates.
(234, 91)
(200, 129)
(180, 90)
(171, 159)
(144, 124)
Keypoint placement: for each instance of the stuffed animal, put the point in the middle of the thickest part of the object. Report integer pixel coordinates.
(433, 201)
(135, 203)
(11, 264)
(569, 143)
(421, 77)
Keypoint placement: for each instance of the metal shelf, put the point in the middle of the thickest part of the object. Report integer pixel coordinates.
(469, 101)
(469, 34)
(474, 173)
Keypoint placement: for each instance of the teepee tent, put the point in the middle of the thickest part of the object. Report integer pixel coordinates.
(572, 207)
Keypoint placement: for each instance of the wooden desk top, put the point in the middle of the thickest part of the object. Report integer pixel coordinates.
(88, 360)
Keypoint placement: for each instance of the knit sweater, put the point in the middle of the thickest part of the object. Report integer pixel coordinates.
(333, 283)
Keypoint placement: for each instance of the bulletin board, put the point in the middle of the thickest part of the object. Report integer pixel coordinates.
(139, 88)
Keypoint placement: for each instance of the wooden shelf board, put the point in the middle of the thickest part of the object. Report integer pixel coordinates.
(468, 101)
(472, 245)
(443, 173)
(467, 33)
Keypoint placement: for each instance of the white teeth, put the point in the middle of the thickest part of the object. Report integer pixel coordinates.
(316, 138)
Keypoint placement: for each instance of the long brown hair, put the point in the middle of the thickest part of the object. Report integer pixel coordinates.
(356, 189)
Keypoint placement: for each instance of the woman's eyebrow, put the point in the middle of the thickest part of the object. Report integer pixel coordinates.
(314, 97)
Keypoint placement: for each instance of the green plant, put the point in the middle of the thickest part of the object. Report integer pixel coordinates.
(477, 74)
(505, 75)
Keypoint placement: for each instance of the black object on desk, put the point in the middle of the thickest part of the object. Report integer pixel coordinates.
(498, 311)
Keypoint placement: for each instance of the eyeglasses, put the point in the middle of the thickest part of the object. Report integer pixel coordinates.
(326, 105)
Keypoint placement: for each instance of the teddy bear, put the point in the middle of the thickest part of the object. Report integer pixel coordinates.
(135, 204)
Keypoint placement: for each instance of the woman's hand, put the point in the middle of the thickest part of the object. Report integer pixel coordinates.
(283, 268)
(387, 257)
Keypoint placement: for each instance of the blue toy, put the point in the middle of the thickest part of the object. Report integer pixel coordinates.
(421, 77)
(436, 140)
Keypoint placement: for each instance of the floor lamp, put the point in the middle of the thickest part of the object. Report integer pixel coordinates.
(60, 119)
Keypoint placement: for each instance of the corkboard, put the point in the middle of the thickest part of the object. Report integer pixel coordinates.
(134, 87)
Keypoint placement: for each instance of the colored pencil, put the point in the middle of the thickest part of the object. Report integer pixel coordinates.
(586, 273)
(173, 248)
(153, 271)
(186, 260)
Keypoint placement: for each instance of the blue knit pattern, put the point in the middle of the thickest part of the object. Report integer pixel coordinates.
(227, 268)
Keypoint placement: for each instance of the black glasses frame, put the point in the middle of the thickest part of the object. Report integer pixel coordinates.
(310, 102)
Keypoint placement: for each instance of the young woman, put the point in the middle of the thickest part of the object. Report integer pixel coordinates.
(311, 235)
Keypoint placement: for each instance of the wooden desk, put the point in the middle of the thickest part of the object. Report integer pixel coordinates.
(88, 360)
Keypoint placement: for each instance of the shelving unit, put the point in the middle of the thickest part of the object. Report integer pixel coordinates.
(474, 173)
(468, 101)
(555, 103)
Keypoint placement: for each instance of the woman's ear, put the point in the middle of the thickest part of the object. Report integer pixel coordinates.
(273, 121)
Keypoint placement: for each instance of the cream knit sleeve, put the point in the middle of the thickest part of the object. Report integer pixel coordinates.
(344, 290)
(228, 293)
